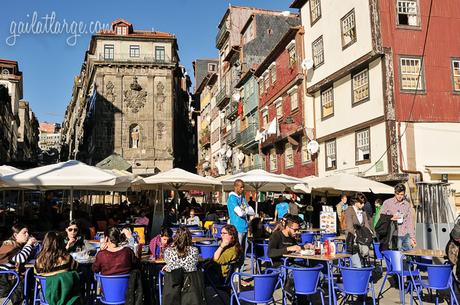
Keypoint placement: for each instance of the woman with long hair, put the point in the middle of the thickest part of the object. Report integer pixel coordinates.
(114, 258)
(229, 251)
(54, 258)
(160, 243)
(73, 241)
(14, 252)
(181, 254)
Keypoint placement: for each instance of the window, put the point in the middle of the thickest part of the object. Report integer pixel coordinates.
(360, 86)
(407, 11)
(160, 53)
(265, 118)
(327, 103)
(108, 51)
(411, 74)
(288, 156)
(456, 74)
(273, 163)
(279, 108)
(212, 68)
(363, 148)
(318, 52)
(134, 51)
(292, 56)
(266, 81)
(251, 87)
(261, 85)
(331, 156)
(306, 157)
(315, 11)
(122, 30)
(273, 74)
(294, 98)
(348, 29)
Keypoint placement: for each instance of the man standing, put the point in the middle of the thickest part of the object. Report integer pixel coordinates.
(341, 207)
(239, 210)
(403, 214)
(282, 208)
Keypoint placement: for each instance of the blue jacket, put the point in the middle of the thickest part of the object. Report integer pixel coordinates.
(240, 222)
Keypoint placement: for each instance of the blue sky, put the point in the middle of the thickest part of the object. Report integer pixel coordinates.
(50, 61)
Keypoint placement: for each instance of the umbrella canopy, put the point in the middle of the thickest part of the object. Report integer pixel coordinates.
(70, 175)
(6, 170)
(177, 179)
(343, 182)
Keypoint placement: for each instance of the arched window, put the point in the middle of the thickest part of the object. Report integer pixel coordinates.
(134, 136)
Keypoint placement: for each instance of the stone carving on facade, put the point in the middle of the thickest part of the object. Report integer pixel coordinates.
(110, 95)
(135, 97)
(160, 96)
(161, 129)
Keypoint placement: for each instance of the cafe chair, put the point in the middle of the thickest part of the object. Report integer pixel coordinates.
(307, 238)
(264, 258)
(16, 277)
(264, 286)
(251, 254)
(113, 288)
(306, 282)
(206, 250)
(439, 278)
(198, 234)
(216, 230)
(326, 236)
(396, 265)
(356, 282)
(161, 276)
(378, 256)
(39, 290)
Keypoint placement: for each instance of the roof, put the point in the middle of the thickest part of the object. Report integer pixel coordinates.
(138, 33)
(298, 4)
(121, 20)
(115, 161)
(277, 50)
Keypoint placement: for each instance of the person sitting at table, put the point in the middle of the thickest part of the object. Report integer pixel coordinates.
(73, 241)
(228, 253)
(113, 258)
(284, 241)
(14, 252)
(130, 239)
(183, 284)
(142, 219)
(193, 219)
(159, 243)
(54, 257)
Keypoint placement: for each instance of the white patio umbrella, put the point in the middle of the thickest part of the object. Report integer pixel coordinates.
(6, 170)
(70, 175)
(343, 182)
(259, 180)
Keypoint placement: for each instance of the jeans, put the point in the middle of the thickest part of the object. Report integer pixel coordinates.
(356, 261)
(404, 243)
(242, 240)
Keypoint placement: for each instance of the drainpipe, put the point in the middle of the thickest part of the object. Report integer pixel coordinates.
(406, 171)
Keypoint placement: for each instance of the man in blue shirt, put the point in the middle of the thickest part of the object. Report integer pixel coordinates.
(239, 210)
(282, 208)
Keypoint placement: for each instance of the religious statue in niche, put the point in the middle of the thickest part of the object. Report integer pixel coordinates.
(135, 97)
(134, 136)
(161, 129)
(160, 96)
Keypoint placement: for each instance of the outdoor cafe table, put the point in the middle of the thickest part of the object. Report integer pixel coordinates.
(311, 230)
(328, 259)
(425, 252)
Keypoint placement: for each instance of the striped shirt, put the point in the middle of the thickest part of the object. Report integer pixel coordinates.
(19, 258)
(392, 207)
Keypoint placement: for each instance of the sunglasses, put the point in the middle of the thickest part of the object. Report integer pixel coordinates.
(295, 230)
(72, 229)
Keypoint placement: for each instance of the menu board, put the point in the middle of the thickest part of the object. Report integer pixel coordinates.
(328, 222)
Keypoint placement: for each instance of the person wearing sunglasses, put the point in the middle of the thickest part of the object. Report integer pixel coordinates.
(73, 241)
(284, 241)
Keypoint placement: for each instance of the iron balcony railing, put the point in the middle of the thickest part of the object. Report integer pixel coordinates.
(222, 97)
(248, 135)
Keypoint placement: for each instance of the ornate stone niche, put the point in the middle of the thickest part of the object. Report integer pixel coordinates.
(135, 96)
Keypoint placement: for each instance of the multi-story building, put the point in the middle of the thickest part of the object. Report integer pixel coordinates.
(205, 71)
(385, 91)
(244, 39)
(28, 148)
(11, 80)
(50, 142)
(282, 113)
(131, 99)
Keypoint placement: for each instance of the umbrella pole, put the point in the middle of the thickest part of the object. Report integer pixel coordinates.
(71, 204)
(257, 201)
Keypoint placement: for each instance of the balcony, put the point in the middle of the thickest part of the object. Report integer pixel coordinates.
(205, 138)
(222, 98)
(232, 112)
(248, 135)
(142, 58)
(233, 137)
(222, 35)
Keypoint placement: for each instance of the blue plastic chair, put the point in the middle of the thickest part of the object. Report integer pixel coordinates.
(251, 254)
(306, 281)
(394, 260)
(161, 275)
(198, 234)
(15, 285)
(207, 250)
(262, 291)
(307, 238)
(113, 288)
(325, 236)
(40, 290)
(216, 230)
(264, 257)
(439, 278)
(378, 256)
(355, 282)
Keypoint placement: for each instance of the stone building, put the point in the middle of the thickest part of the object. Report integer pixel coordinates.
(130, 98)
(50, 142)
(28, 149)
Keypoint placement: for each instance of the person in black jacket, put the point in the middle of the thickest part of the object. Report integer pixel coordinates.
(284, 241)
(385, 230)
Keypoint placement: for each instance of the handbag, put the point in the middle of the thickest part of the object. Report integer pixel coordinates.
(363, 235)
